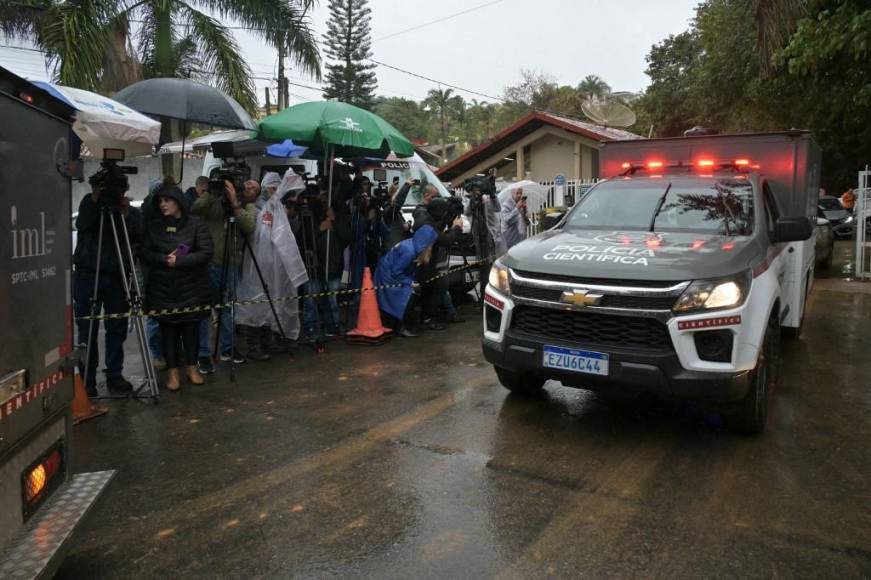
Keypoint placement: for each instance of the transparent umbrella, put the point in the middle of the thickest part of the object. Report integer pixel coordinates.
(535, 193)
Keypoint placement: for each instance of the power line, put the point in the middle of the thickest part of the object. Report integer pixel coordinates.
(430, 23)
(432, 80)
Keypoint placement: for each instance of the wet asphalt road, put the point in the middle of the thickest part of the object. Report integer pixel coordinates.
(409, 460)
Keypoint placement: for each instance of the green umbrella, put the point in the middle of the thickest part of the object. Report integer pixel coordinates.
(340, 129)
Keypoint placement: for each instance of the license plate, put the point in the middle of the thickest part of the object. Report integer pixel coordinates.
(578, 361)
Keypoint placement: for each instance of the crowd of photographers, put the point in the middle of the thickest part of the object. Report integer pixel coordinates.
(229, 240)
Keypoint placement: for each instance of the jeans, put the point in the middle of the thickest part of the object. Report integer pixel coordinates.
(225, 325)
(110, 300)
(152, 329)
(328, 307)
(448, 303)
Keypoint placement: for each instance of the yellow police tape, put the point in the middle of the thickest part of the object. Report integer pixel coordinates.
(203, 308)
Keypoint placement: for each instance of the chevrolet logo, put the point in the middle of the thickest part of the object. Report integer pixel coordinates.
(581, 298)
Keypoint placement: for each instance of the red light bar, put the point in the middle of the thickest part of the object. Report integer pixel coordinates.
(705, 163)
(742, 162)
(626, 165)
(654, 164)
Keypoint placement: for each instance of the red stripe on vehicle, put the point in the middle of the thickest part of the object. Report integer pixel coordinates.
(494, 301)
(30, 395)
(709, 322)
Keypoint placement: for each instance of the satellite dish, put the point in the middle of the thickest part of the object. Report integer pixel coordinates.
(608, 112)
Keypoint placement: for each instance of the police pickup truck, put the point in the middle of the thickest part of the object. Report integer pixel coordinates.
(676, 276)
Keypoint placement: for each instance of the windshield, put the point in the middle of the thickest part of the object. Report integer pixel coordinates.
(830, 204)
(385, 173)
(714, 206)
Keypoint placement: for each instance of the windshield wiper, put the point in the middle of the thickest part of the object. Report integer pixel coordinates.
(659, 205)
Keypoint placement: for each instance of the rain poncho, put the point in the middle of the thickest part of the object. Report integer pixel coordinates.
(488, 240)
(291, 184)
(513, 224)
(274, 246)
(271, 179)
(398, 267)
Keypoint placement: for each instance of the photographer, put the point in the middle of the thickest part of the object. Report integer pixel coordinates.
(484, 213)
(444, 218)
(392, 214)
(110, 296)
(514, 219)
(215, 208)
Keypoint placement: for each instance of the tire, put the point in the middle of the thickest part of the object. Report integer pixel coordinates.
(751, 413)
(524, 384)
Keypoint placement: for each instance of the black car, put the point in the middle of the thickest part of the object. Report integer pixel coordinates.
(841, 218)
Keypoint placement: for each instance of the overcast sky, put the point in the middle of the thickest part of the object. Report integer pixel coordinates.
(485, 49)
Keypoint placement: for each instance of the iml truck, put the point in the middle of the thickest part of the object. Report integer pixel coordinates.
(41, 501)
(678, 275)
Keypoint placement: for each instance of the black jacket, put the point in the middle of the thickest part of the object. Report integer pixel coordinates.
(435, 215)
(88, 227)
(188, 283)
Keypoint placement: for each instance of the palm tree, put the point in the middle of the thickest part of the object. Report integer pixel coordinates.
(106, 44)
(438, 101)
(775, 22)
(593, 86)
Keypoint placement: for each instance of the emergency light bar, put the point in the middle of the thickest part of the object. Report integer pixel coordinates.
(740, 164)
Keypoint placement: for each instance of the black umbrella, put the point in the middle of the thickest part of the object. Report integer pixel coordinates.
(187, 101)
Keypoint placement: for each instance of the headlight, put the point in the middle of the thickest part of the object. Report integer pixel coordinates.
(849, 220)
(714, 294)
(499, 278)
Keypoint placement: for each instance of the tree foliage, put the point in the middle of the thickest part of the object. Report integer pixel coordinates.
(348, 44)
(91, 44)
(814, 73)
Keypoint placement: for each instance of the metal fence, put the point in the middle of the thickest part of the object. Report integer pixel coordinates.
(564, 196)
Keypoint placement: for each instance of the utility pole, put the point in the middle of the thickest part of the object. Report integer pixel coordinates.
(282, 96)
(268, 102)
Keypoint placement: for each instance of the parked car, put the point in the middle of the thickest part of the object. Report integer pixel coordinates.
(841, 218)
(825, 244)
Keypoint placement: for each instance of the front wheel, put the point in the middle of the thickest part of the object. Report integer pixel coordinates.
(751, 413)
(525, 384)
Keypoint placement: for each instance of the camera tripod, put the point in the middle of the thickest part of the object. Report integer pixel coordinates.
(229, 288)
(310, 259)
(133, 293)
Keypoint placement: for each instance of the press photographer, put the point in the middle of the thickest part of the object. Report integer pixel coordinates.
(215, 208)
(108, 187)
(484, 213)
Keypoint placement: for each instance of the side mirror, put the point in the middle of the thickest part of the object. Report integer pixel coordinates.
(792, 229)
(551, 220)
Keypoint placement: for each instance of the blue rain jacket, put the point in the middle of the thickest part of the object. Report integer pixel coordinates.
(397, 267)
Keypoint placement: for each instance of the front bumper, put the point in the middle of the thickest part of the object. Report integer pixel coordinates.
(630, 373)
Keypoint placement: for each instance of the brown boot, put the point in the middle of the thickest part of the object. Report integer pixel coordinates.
(173, 381)
(194, 375)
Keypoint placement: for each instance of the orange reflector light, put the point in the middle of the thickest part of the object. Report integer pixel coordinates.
(654, 164)
(742, 162)
(35, 483)
(705, 163)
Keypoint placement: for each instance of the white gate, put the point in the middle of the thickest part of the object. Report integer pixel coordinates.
(863, 213)
(559, 196)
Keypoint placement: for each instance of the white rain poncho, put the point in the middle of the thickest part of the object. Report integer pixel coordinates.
(274, 245)
(290, 183)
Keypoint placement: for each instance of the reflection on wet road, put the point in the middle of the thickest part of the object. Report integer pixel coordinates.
(409, 460)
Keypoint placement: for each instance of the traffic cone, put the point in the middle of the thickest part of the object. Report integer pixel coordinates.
(83, 409)
(369, 328)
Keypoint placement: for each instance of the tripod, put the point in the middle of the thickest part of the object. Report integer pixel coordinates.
(133, 293)
(310, 259)
(229, 288)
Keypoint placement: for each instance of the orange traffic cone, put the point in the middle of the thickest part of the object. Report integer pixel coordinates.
(369, 328)
(83, 409)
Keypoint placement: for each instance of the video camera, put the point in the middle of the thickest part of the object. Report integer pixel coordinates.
(233, 169)
(112, 178)
(237, 175)
(482, 184)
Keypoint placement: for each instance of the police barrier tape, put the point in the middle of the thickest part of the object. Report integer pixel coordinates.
(348, 291)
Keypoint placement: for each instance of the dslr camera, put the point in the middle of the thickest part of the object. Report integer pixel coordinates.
(112, 178)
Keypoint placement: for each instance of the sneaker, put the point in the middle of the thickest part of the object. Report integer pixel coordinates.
(235, 356)
(158, 363)
(205, 366)
(119, 384)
